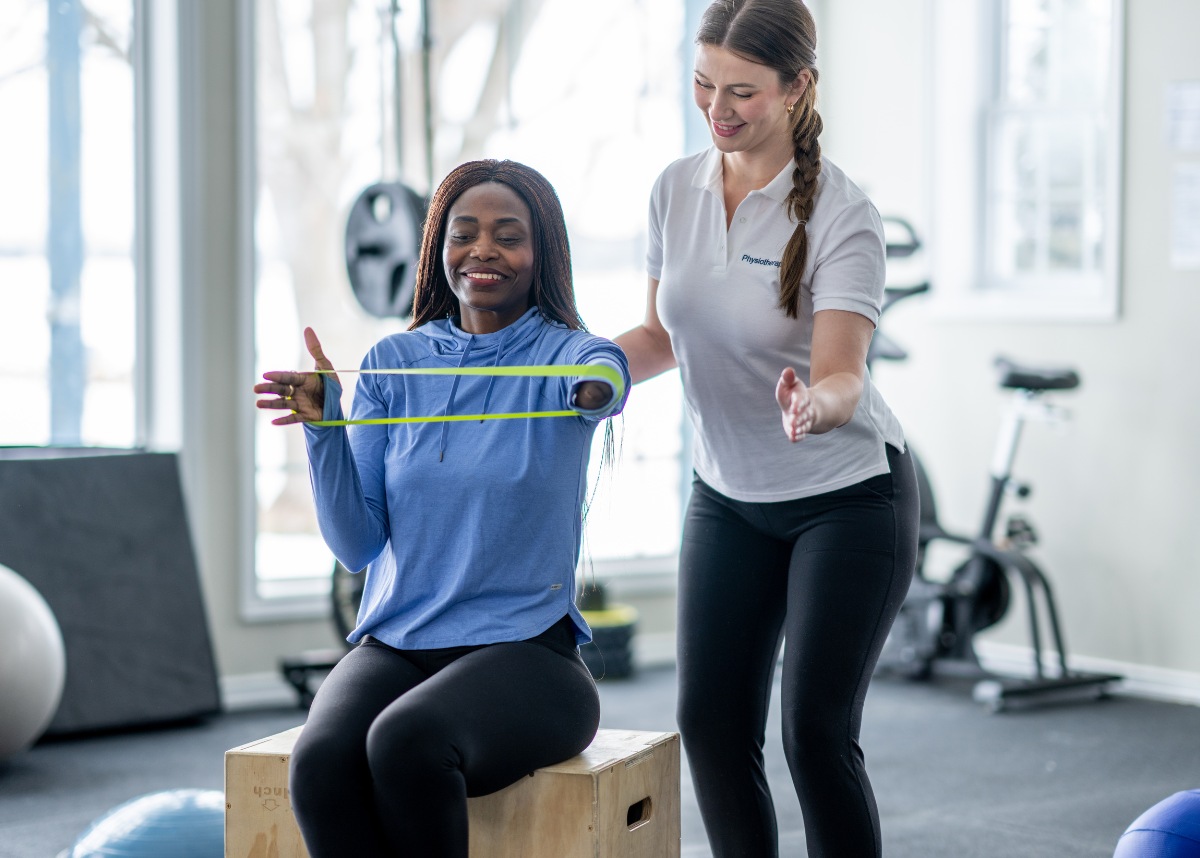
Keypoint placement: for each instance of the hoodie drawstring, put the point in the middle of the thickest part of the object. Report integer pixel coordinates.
(487, 397)
(450, 400)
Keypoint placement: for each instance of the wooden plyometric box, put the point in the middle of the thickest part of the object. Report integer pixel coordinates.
(618, 799)
(258, 804)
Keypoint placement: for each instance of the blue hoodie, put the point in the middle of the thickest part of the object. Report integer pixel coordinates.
(469, 531)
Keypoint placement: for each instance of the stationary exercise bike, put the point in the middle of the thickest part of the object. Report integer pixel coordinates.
(939, 620)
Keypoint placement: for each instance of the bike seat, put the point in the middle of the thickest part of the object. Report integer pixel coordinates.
(1020, 377)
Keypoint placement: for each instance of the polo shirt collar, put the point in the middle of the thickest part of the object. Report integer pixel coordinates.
(709, 172)
(779, 187)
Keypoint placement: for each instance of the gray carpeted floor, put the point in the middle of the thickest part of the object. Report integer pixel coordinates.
(952, 779)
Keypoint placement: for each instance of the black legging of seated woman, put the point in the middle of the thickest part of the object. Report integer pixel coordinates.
(397, 740)
(828, 574)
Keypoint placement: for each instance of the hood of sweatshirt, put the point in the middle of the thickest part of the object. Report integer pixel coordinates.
(461, 348)
(449, 342)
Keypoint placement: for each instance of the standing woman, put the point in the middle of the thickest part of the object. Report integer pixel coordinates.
(466, 675)
(766, 268)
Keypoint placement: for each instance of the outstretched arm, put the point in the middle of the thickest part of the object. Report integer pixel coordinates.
(350, 507)
(839, 358)
(603, 384)
(593, 395)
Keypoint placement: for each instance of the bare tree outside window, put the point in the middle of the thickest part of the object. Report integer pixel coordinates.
(335, 112)
(67, 221)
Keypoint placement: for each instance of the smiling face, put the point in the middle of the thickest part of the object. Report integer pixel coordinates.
(744, 102)
(488, 256)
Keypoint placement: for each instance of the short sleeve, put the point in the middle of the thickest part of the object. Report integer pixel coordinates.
(850, 265)
(654, 235)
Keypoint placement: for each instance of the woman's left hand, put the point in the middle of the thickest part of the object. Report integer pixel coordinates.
(796, 402)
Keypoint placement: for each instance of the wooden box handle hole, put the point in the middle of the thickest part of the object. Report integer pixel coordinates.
(639, 813)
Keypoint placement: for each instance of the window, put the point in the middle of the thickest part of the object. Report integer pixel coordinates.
(340, 101)
(68, 284)
(1027, 157)
(601, 131)
(319, 115)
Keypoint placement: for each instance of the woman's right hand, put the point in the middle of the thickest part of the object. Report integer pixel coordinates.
(301, 393)
(795, 404)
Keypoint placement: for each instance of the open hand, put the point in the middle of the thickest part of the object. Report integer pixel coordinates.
(796, 403)
(301, 393)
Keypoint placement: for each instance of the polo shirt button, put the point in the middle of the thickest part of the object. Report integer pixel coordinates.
(741, 220)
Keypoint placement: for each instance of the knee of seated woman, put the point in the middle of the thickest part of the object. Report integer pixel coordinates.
(316, 767)
(416, 735)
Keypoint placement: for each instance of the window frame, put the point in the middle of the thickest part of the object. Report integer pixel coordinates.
(966, 41)
(158, 230)
(254, 607)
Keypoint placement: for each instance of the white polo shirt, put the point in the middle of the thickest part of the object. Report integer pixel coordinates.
(717, 297)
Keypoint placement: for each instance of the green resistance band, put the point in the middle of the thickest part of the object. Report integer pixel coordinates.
(605, 372)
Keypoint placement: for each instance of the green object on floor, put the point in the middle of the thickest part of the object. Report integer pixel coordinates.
(610, 654)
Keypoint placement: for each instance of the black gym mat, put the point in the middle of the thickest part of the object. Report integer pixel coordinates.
(952, 779)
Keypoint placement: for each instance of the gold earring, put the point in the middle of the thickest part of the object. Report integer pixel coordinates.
(791, 108)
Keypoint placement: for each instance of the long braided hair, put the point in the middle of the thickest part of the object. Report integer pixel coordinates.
(781, 35)
(552, 291)
(553, 288)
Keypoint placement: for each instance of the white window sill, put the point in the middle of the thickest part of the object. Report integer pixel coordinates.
(636, 575)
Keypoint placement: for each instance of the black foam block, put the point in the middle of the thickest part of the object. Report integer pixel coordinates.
(104, 537)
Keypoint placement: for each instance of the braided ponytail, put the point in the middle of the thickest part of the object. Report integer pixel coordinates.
(806, 128)
(781, 35)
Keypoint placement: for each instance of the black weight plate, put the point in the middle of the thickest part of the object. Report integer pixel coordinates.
(383, 243)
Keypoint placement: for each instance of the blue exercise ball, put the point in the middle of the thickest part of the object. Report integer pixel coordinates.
(177, 823)
(1170, 829)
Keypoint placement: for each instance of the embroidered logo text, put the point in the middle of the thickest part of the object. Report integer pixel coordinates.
(755, 260)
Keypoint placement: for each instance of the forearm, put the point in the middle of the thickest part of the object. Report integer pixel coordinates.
(834, 399)
(649, 353)
(352, 528)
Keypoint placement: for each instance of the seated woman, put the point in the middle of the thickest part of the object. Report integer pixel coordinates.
(466, 675)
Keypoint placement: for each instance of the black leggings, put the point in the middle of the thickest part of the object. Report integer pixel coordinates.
(396, 740)
(829, 573)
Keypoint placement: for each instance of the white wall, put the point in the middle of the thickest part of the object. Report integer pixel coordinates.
(1117, 497)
